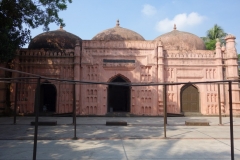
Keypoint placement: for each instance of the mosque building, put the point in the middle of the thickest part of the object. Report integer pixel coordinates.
(122, 55)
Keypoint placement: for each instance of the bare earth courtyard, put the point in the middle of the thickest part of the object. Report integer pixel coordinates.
(143, 138)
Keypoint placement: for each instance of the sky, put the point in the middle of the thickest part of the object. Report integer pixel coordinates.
(149, 18)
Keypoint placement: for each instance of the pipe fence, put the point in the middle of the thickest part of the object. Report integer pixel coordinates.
(37, 80)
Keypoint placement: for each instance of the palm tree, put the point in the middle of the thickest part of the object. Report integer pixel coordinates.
(216, 32)
(212, 35)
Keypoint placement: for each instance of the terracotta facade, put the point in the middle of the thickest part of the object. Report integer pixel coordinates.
(135, 61)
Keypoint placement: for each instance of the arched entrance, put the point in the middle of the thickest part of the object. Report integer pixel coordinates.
(189, 99)
(118, 96)
(48, 97)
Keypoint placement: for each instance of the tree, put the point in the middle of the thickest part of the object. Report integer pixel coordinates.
(212, 35)
(216, 32)
(15, 14)
(211, 44)
(17, 17)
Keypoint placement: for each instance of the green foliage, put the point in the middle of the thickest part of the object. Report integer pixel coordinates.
(216, 32)
(14, 14)
(212, 35)
(238, 57)
(211, 44)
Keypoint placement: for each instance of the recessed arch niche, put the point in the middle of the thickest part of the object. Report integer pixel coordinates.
(118, 96)
(48, 97)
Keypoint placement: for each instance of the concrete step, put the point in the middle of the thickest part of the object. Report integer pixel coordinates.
(192, 114)
(116, 123)
(119, 114)
(175, 115)
(197, 122)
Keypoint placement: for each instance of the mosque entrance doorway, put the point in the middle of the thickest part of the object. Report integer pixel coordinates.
(48, 95)
(189, 99)
(118, 96)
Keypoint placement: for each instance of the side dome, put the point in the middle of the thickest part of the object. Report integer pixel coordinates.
(178, 40)
(118, 33)
(58, 39)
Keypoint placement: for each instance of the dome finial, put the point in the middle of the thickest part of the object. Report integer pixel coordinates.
(61, 28)
(117, 24)
(174, 27)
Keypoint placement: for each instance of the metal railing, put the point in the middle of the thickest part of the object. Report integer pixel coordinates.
(74, 82)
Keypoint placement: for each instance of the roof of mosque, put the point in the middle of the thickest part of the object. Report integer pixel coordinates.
(178, 40)
(118, 33)
(58, 39)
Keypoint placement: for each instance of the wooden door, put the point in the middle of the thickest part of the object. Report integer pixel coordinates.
(190, 99)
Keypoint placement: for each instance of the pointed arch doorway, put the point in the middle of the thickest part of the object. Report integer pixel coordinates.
(118, 96)
(189, 99)
(48, 95)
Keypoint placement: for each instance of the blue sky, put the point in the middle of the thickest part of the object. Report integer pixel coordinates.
(150, 18)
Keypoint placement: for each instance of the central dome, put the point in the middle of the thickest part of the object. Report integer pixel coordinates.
(118, 34)
(178, 40)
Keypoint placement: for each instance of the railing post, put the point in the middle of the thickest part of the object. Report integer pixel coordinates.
(74, 103)
(219, 105)
(165, 108)
(231, 118)
(36, 110)
(15, 103)
(74, 113)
